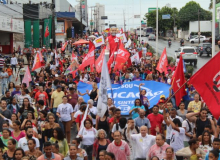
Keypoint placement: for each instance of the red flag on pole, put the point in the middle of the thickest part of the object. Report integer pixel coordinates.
(207, 83)
(99, 61)
(27, 77)
(163, 62)
(89, 59)
(121, 58)
(178, 81)
(37, 62)
(47, 33)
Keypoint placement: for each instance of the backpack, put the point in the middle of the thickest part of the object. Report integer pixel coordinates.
(137, 129)
(190, 127)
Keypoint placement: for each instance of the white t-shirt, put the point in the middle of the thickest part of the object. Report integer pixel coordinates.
(65, 111)
(23, 143)
(169, 128)
(177, 138)
(89, 136)
(119, 128)
(185, 125)
(94, 111)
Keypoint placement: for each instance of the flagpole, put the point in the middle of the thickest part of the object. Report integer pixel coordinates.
(213, 27)
(175, 92)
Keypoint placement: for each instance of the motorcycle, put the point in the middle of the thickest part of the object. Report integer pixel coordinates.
(181, 43)
(169, 43)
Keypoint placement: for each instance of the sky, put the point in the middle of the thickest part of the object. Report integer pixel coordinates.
(114, 9)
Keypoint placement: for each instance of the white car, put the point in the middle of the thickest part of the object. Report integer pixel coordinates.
(196, 39)
(188, 53)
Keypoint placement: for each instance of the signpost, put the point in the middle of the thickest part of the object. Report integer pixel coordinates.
(166, 16)
(152, 9)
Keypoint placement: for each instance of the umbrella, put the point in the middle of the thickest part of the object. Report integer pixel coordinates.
(81, 41)
(92, 36)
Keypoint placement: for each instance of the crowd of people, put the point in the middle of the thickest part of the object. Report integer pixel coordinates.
(43, 121)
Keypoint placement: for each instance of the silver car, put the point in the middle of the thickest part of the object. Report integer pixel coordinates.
(188, 53)
(152, 37)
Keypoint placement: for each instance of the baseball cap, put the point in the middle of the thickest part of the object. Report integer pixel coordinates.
(162, 96)
(161, 101)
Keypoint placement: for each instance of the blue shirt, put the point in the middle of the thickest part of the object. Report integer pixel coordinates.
(142, 122)
(207, 156)
(135, 114)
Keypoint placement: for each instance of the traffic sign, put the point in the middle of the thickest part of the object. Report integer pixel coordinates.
(166, 16)
(152, 9)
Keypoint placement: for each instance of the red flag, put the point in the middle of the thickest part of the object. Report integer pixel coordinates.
(121, 58)
(90, 44)
(140, 54)
(99, 61)
(163, 62)
(178, 81)
(37, 62)
(111, 59)
(207, 83)
(89, 58)
(27, 77)
(113, 43)
(129, 63)
(64, 46)
(61, 65)
(47, 33)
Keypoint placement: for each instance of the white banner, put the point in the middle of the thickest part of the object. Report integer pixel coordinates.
(99, 41)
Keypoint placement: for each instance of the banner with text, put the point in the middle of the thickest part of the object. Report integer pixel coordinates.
(125, 95)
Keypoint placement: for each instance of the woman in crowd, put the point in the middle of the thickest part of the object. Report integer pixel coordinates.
(102, 123)
(50, 126)
(11, 87)
(169, 154)
(193, 152)
(109, 156)
(94, 94)
(6, 135)
(73, 154)
(88, 135)
(17, 133)
(80, 152)
(26, 107)
(134, 110)
(18, 154)
(116, 80)
(32, 153)
(101, 143)
(206, 144)
(8, 155)
(182, 111)
(30, 117)
(59, 138)
(13, 106)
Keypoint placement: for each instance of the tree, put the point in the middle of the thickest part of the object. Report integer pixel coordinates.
(210, 5)
(190, 13)
(163, 24)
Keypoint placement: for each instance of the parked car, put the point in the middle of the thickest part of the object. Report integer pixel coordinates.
(196, 39)
(152, 37)
(188, 53)
(204, 48)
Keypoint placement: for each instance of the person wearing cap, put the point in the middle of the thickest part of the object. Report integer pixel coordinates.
(72, 97)
(56, 99)
(160, 104)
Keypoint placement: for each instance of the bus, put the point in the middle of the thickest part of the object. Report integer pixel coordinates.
(149, 30)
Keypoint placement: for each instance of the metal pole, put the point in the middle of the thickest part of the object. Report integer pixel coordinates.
(174, 27)
(53, 24)
(213, 27)
(199, 25)
(91, 20)
(81, 18)
(140, 21)
(157, 32)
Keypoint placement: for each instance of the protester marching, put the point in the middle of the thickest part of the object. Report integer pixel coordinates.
(107, 98)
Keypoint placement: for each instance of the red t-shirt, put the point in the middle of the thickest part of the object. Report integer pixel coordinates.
(112, 120)
(79, 119)
(41, 96)
(155, 120)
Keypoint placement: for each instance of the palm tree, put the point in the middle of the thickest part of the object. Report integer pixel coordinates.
(210, 5)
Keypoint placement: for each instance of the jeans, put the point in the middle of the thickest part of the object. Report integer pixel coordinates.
(13, 68)
(21, 78)
(4, 88)
(57, 119)
(9, 78)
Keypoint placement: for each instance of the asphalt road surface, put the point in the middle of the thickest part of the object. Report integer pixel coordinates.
(174, 46)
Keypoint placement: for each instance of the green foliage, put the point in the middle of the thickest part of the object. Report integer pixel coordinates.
(210, 5)
(207, 34)
(190, 13)
(163, 24)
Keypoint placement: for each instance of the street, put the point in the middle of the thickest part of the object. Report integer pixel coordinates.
(175, 45)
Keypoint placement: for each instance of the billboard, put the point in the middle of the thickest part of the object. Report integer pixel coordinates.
(60, 27)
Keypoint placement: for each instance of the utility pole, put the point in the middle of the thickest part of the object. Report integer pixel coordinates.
(174, 17)
(199, 24)
(81, 18)
(95, 20)
(213, 27)
(53, 24)
(124, 21)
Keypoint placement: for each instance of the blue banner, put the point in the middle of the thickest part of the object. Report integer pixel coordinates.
(73, 32)
(125, 95)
